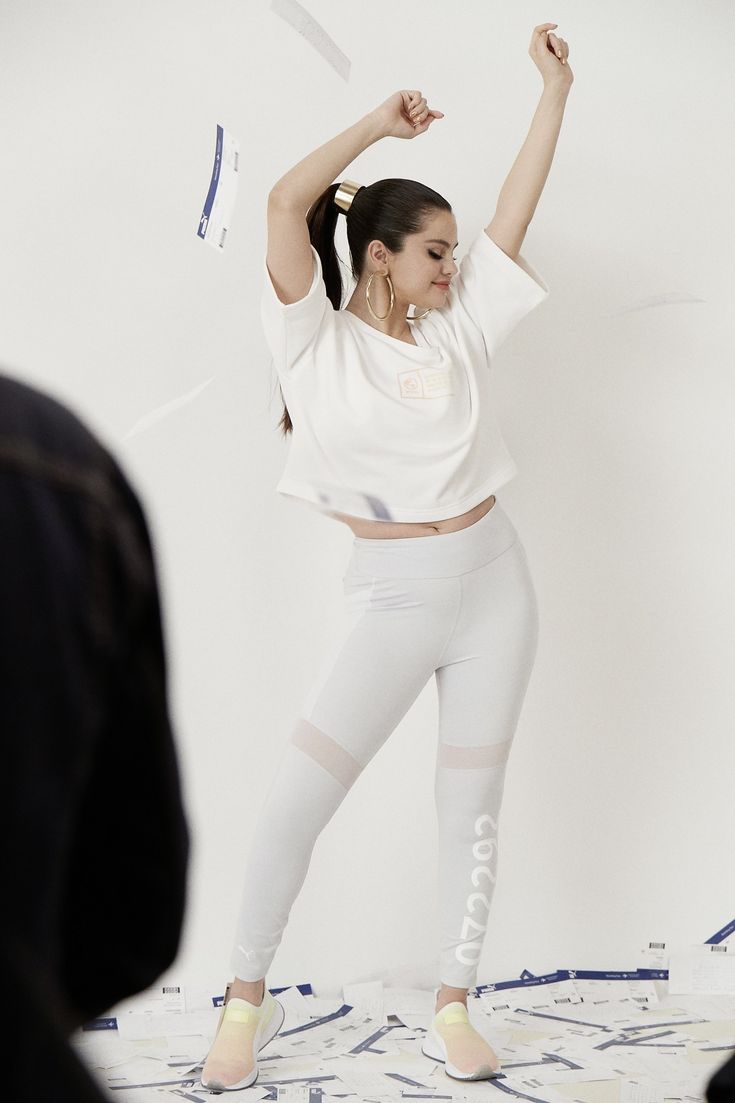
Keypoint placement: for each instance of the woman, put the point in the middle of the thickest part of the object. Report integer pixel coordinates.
(395, 410)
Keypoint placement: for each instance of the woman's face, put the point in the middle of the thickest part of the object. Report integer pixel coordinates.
(423, 266)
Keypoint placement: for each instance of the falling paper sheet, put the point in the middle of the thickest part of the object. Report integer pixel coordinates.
(163, 411)
(305, 24)
(341, 499)
(215, 218)
(665, 298)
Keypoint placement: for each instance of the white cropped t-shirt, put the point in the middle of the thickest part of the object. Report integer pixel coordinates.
(386, 430)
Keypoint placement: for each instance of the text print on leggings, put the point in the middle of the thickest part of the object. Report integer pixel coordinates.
(482, 849)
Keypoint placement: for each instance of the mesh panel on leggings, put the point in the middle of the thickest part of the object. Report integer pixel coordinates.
(473, 757)
(324, 750)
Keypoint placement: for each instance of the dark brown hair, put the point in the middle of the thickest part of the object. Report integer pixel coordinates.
(387, 211)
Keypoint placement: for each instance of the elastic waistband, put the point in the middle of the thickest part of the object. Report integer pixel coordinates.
(436, 556)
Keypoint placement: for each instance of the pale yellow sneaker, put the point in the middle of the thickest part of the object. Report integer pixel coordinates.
(244, 1029)
(451, 1038)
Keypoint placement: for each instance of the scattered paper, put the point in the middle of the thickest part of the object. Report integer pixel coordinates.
(707, 969)
(163, 411)
(571, 1035)
(214, 221)
(305, 24)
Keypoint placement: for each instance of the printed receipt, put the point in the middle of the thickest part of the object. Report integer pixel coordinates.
(707, 969)
(218, 206)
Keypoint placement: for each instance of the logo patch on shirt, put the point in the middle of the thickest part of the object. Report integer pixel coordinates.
(425, 383)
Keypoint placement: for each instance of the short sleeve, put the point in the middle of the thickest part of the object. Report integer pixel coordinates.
(493, 292)
(290, 328)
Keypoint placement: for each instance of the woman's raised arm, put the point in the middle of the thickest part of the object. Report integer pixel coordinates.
(289, 257)
(522, 189)
(403, 115)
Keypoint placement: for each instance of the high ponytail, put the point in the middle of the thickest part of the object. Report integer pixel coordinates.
(387, 210)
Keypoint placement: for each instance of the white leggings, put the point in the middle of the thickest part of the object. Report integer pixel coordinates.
(458, 605)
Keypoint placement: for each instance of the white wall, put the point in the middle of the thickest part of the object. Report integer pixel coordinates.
(615, 398)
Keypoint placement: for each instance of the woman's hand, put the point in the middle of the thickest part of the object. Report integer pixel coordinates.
(405, 114)
(549, 54)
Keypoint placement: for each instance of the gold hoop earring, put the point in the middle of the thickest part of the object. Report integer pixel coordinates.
(380, 317)
(418, 317)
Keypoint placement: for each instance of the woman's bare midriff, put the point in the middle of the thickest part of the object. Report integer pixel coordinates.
(393, 530)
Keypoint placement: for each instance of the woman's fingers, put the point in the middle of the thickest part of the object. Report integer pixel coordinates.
(544, 42)
(419, 112)
(559, 46)
(421, 128)
(412, 103)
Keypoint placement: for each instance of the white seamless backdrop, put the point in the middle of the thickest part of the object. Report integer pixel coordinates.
(616, 399)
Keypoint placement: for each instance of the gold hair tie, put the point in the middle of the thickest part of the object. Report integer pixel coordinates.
(345, 193)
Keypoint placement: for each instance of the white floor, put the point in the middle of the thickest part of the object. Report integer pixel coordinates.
(597, 1041)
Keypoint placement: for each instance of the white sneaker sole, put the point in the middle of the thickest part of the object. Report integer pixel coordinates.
(433, 1046)
(267, 1029)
